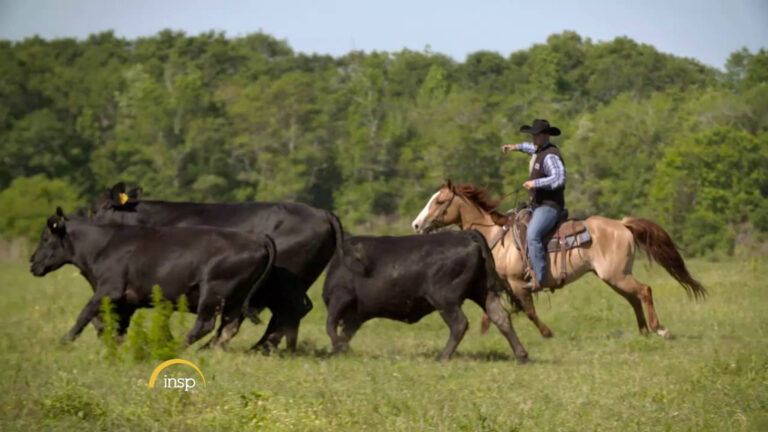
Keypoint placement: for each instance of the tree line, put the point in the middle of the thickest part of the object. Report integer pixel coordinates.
(372, 135)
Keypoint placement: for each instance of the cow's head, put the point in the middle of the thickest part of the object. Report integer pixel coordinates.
(53, 250)
(441, 210)
(115, 204)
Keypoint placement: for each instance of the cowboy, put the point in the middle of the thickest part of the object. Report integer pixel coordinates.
(546, 187)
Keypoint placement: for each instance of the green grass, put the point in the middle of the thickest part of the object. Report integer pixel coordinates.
(597, 373)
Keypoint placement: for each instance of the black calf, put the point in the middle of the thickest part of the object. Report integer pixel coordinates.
(406, 278)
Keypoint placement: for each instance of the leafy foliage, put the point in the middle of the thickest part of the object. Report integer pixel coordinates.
(109, 332)
(29, 201)
(371, 135)
(162, 345)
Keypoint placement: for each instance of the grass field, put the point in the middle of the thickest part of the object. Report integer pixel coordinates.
(597, 373)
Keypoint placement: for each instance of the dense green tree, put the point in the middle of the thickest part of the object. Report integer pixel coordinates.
(710, 185)
(372, 135)
(29, 201)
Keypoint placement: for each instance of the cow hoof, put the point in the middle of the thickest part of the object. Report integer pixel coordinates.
(664, 333)
(205, 346)
(340, 349)
(547, 333)
(522, 360)
(66, 340)
(264, 348)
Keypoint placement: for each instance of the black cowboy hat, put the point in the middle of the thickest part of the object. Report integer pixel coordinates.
(540, 126)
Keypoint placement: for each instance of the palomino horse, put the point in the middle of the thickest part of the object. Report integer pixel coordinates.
(610, 255)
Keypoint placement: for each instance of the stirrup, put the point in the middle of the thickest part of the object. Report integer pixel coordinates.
(532, 286)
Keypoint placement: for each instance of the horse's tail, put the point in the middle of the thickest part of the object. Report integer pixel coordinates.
(657, 243)
(271, 249)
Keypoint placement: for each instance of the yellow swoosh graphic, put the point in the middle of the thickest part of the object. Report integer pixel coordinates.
(172, 362)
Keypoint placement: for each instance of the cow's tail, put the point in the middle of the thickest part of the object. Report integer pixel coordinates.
(269, 246)
(494, 282)
(351, 255)
(657, 243)
(338, 232)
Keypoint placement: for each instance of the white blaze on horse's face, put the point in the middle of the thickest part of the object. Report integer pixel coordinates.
(418, 223)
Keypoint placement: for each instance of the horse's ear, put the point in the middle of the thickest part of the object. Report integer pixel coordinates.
(448, 184)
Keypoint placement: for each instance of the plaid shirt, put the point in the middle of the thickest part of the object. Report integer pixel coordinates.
(553, 168)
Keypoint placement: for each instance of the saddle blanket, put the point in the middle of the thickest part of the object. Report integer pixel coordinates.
(572, 241)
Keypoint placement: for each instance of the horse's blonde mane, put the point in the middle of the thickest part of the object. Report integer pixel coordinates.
(481, 198)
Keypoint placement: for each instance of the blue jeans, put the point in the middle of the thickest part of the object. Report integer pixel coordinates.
(543, 220)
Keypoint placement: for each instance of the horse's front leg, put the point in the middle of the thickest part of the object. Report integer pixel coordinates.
(526, 299)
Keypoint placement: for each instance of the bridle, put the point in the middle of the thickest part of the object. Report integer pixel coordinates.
(445, 206)
(440, 218)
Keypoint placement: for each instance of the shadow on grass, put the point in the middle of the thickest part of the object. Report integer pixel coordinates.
(303, 349)
(310, 350)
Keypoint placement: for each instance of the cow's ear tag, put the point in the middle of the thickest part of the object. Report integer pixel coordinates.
(122, 197)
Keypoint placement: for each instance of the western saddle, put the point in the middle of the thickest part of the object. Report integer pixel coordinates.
(567, 234)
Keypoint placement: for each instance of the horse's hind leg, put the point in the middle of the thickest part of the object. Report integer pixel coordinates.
(635, 292)
(637, 306)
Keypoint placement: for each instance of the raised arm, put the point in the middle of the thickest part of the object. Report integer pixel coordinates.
(523, 147)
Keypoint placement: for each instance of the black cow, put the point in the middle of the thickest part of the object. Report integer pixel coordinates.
(218, 270)
(306, 239)
(407, 278)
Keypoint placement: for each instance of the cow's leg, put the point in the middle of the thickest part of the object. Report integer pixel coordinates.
(271, 338)
(207, 308)
(350, 324)
(458, 324)
(279, 325)
(231, 319)
(298, 306)
(496, 313)
(89, 312)
(206, 321)
(331, 327)
(291, 333)
(336, 309)
(227, 330)
(124, 315)
(288, 307)
(98, 324)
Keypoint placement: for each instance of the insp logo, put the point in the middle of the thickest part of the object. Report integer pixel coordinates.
(180, 383)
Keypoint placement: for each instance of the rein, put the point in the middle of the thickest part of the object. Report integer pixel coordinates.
(498, 237)
(503, 197)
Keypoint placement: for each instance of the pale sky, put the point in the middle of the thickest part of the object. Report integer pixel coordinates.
(707, 30)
